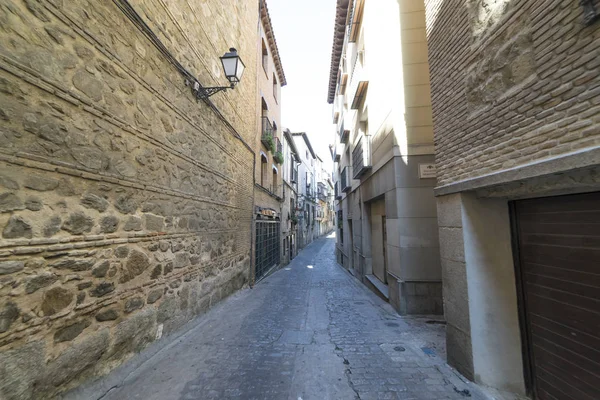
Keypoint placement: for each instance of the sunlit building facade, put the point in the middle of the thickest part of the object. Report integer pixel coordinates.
(383, 152)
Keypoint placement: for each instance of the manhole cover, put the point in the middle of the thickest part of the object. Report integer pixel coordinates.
(399, 348)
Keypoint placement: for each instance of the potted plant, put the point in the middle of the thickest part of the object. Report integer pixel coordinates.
(269, 142)
(278, 157)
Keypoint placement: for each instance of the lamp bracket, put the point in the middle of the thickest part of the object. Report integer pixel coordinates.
(206, 92)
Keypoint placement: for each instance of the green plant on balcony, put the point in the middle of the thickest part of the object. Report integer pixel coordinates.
(292, 217)
(269, 142)
(278, 157)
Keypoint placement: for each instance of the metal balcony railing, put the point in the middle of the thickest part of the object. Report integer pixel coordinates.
(278, 145)
(267, 131)
(361, 157)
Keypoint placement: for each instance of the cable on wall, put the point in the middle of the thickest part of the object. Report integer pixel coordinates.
(190, 79)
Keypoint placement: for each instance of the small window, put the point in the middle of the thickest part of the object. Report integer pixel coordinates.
(274, 87)
(263, 170)
(265, 57)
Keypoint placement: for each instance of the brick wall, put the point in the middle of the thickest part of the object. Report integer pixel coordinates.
(512, 82)
(125, 205)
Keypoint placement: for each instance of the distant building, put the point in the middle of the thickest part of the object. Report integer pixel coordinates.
(268, 147)
(324, 212)
(383, 152)
(307, 192)
(289, 209)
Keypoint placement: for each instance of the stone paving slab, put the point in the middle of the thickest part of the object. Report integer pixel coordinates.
(300, 334)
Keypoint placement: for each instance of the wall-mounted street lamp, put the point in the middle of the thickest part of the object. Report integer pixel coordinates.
(590, 14)
(233, 68)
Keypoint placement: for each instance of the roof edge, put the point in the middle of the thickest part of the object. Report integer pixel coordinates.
(266, 21)
(339, 33)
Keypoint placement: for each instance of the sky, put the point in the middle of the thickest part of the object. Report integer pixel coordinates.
(304, 34)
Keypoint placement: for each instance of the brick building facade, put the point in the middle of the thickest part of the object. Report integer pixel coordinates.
(516, 108)
(267, 144)
(125, 203)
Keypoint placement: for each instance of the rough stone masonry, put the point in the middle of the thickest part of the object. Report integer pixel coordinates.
(125, 205)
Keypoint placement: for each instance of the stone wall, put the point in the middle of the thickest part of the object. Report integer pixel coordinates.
(513, 82)
(125, 205)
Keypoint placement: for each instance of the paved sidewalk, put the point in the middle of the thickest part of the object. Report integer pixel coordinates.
(309, 331)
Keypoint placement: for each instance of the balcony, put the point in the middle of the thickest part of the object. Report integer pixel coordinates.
(337, 154)
(356, 20)
(321, 192)
(359, 83)
(345, 180)
(278, 145)
(267, 134)
(361, 157)
(344, 134)
(294, 175)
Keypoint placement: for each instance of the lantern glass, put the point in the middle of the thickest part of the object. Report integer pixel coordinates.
(232, 66)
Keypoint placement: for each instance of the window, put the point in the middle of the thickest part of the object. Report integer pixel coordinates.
(265, 58)
(263, 170)
(274, 87)
(274, 185)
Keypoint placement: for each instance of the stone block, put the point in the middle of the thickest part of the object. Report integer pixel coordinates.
(449, 211)
(154, 295)
(102, 289)
(109, 224)
(133, 224)
(55, 300)
(20, 370)
(39, 281)
(10, 202)
(137, 262)
(107, 315)
(71, 331)
(451, 244)
(40, 183)
(76, 362)
(416, 202)
(459, 351)
(78, 223)
(154, 223)
(9, 312)
(132, 304)
(90, 200)
(17, 227)
(9, 267)
(133, 334)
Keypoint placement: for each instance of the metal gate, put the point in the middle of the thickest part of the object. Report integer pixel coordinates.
(267, 247)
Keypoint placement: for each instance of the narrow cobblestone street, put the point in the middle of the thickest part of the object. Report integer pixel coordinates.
(309, 331)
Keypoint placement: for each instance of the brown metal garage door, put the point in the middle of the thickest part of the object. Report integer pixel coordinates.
(559, 254)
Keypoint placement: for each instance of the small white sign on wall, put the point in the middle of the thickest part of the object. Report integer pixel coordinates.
(427, 171)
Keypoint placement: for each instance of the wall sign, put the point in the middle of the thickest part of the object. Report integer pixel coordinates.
(427, 171)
